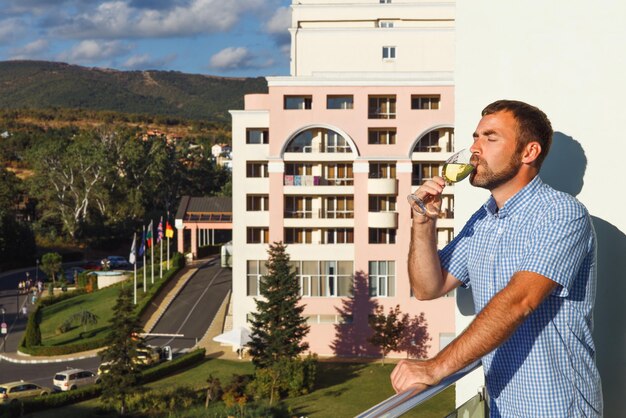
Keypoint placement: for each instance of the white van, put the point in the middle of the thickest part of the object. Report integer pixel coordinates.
(73, 379)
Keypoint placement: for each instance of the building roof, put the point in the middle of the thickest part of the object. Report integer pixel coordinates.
(204, 208)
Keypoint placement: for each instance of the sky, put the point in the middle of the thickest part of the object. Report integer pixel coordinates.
(232, 38)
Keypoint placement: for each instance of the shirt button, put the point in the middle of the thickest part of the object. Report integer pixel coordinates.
(500, 230)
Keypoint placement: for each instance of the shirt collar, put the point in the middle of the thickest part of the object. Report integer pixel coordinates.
(518, 201)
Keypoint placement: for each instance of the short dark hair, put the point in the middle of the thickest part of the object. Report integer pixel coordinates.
(532, 125)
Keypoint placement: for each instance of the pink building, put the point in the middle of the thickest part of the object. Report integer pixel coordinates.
(325, 160)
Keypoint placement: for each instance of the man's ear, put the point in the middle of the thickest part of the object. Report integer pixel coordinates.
(531, 152)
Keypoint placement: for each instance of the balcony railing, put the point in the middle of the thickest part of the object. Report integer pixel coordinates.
(291, 180)
(403, 402)
(208, 217)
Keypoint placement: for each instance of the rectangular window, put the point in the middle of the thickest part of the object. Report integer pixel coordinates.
(298, 102)
(255, 270)
(385, 24)
(325, 278)
(339, 174)
(339, 207)
(422, 102)
(382, 171)
(257, 203)
(336, 143)
(339, 102)
(389, 52)
(300, 207)
(382, 278)
(298, 235)
(379, 203)
(258, 235)
(382, 107)
(385, 1)
(381, 136)
(256, 169)
(257, 136)
(382, 236)
(339, 236)
(423, 172)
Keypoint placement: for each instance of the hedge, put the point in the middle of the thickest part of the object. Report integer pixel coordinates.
(56, 400)
(32, 327)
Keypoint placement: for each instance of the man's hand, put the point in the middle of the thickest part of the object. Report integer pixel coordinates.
(413, 373)
(430, 194)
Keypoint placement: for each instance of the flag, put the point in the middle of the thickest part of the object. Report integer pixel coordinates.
(160, 231)
(142, 247)
(169, 231)
(149, 235)
(133, 250)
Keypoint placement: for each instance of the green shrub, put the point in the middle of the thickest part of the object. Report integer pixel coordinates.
(179, 363)
(32, 335)
(177, 261)
(157, 401)
(286, 377)
(51, 300)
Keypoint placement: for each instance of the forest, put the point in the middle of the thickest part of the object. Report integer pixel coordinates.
(90, 179)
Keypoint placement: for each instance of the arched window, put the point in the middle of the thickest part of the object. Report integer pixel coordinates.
(319, 140)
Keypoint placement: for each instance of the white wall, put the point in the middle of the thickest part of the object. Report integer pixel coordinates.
(568, 59)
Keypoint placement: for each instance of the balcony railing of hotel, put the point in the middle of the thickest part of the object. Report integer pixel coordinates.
(396, 405)
(321, 214)
(208, 217)
(290, 180)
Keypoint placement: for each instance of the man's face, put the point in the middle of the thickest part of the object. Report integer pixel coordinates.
(494, 151)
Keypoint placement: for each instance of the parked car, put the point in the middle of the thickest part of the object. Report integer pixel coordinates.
(147, 356)
(93, 265)
(115, 261)
(13, 391)
(73, 379)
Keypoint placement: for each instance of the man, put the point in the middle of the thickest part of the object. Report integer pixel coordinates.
(529, 257)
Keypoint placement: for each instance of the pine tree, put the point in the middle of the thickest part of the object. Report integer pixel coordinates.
(123, 374)
(278, 326)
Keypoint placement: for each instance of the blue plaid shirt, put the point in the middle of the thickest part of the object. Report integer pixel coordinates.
(547, 368)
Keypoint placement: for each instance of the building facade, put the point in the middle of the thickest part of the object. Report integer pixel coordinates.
(325, 160)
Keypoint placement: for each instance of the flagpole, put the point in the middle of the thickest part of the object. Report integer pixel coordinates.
(151, 253)
(161, 248)
(135, 268)
(167, 222)
(144, 260)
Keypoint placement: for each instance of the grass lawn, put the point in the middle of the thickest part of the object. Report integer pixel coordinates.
(100, 302)
(343, 390)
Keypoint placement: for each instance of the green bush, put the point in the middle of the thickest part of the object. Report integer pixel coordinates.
(177, 261)
(32, 335)
(286, 377)
(155, 402)
(179, 363)
(51, 300)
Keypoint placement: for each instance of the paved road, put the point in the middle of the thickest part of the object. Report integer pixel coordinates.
(189, 314)
(193, 310)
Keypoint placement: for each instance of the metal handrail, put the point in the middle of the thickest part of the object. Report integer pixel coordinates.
(402, 402)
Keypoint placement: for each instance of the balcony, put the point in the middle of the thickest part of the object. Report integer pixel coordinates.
(382, 186)
(311, 185)
(395, 406)
(322, 219)
(382, 220)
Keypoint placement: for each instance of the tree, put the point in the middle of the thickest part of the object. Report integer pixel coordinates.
(51, 264)
(84, 318)
(388, 329)
(278, 327)
(121, 352)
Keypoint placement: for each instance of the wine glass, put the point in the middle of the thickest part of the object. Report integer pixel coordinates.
(456, 168)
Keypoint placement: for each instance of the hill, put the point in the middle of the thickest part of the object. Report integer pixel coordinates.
(42, 84)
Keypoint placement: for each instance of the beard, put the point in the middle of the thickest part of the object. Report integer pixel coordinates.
(489, 179)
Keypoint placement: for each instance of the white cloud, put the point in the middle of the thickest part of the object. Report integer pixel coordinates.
(33, 49)
(230, 58)
(145, 61)
(89, 51)
(11, 29)
(280, 22)
(118, 19)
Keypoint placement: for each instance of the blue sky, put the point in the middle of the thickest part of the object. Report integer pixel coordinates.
(232, 38)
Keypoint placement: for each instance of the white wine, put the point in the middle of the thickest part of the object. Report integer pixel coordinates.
(453, 172)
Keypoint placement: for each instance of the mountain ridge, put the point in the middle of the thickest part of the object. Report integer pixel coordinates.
(49, 84)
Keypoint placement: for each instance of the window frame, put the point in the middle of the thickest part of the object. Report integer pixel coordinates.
(336, 100)
(293, 102)
(374, 136)
(389, 53)
(264, 136)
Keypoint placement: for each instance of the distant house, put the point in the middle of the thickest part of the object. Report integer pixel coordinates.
(222, 154)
